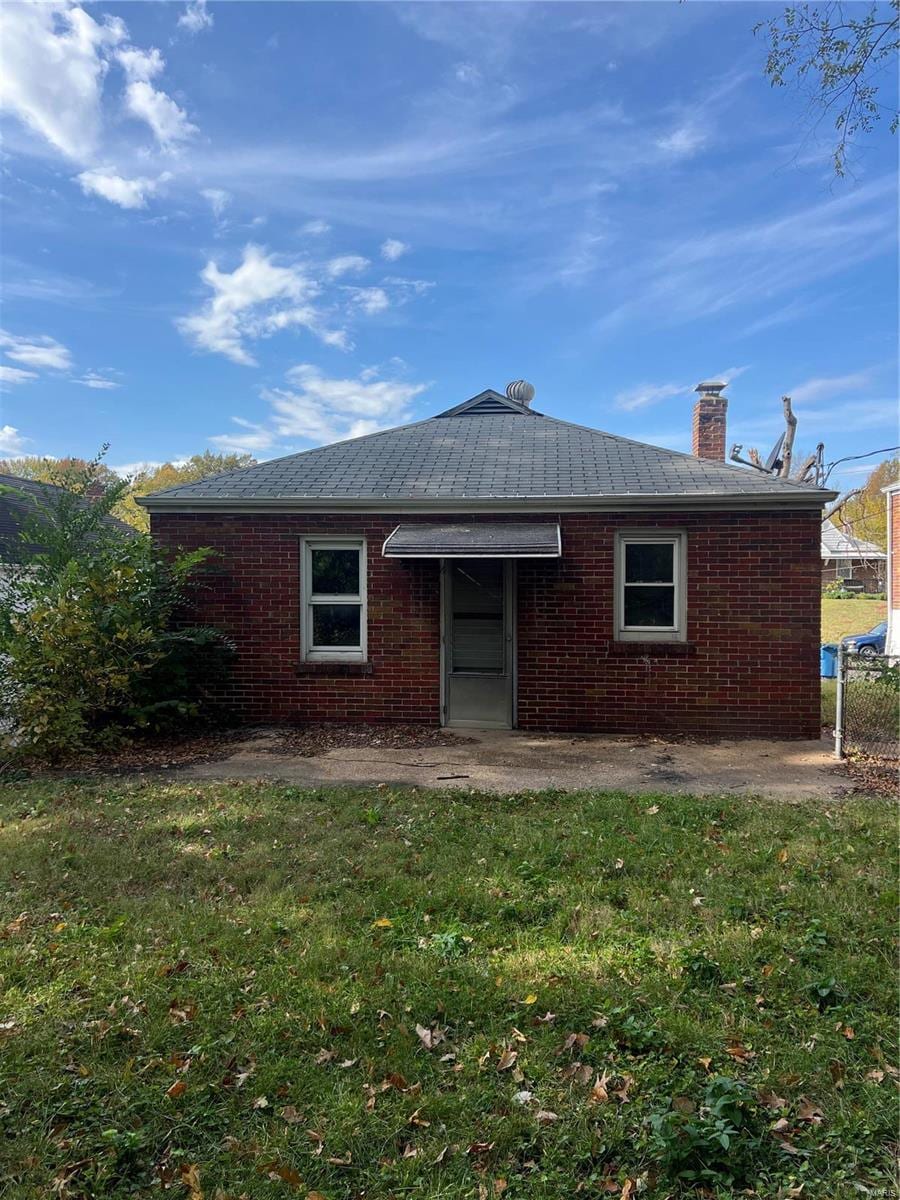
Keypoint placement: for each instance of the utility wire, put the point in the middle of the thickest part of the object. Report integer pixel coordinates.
(854, 457)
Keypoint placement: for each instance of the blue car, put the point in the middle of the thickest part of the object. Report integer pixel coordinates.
(867, 644)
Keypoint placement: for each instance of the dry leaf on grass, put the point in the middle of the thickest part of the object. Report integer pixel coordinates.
(507, 1059)
(430, 1037)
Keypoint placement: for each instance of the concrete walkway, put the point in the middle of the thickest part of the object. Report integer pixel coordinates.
(515, 761)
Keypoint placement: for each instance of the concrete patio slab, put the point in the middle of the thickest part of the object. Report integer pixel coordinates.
(513, 760)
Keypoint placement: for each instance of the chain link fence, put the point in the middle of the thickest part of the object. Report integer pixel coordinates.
(867, 719)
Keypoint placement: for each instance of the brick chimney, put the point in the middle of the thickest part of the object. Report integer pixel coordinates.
(708, 434)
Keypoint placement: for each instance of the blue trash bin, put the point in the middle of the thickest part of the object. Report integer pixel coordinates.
(828, 661)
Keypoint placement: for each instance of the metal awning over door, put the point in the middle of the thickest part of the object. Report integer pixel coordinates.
(508, 539)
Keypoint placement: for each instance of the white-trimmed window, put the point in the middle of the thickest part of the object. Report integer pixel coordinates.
(650, 586)
(333, 588)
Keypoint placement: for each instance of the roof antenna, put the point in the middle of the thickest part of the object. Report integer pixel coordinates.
(521, 391)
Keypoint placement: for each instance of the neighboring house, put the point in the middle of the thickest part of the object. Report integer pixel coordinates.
(845, 557)
(21, 500)
(494, 566)
(892, 496)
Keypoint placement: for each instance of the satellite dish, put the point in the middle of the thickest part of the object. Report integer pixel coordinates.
(773, 462)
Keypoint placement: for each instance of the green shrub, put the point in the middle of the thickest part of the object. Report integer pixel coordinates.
(90, 646)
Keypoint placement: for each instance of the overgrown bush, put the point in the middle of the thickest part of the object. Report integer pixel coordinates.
(90, 646)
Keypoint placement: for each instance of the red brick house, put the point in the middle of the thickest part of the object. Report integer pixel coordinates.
(494, 566)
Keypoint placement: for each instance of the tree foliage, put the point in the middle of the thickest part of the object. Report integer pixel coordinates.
(864, 511)
(91, 648)
(837, 55)
(193, 469)
(65, 472)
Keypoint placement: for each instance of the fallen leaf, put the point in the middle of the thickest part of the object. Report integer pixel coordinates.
(652, 810)
(181, 1012)
(290, 1114)
(286, 1173)
(500, 1186)
(260, 1102)
(809, 1112)
(599, 1093)
(383, 923)
(531, 998)
(507, 1059)
(190, 1177)
(178, 1088)
(409, 1151)
(704, 1062)
(430, 1037)
(627, 1189)
(848, 1033)
(440, 1158)
(545, 1117)
(783, 855)
(875, 1075)
(740, 1052)
(523, 1097)
(770, 1100)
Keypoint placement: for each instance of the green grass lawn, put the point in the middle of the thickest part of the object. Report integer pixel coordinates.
(261, 991)
(843, 617)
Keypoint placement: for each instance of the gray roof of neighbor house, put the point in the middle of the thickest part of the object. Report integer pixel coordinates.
(22, 499)
(839, 543)
(489, 450)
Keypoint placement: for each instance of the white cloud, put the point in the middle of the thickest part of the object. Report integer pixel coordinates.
(218, 200)
(682, 142)
(248, 439)
(823, 387)
(731, 373)
(42, 353)
(168, 122)
(315, 228)
(140, 64)
(345, 264)
(11, 441)
(466, 72)
(645, 394)
(256, 299)
(370, 300)
(392, 249)
(13, 375)
(93, 379)
(54, 59)
(317, 408)
(127, 193)
(323, 409)
(195, 17)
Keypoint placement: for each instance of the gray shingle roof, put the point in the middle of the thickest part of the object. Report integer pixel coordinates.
(487, 449)
(838, 543)
(22, 500)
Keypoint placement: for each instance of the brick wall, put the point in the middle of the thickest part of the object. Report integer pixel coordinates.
(749, 667)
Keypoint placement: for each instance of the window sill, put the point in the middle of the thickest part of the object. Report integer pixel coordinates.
(334, 668)
(660, 649)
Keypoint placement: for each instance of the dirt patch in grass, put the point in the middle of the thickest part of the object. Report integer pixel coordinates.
(307, 741)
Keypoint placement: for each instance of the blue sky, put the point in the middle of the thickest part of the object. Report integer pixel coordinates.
(264, 226)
